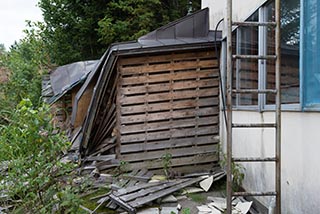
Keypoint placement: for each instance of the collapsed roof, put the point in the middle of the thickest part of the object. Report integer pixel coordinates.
(66, 77)
(190, 32)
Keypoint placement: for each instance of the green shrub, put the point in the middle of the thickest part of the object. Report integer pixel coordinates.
(35, 180)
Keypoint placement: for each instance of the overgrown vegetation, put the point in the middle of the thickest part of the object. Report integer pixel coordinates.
(237, 172)
(166, 164)
(32, 177)
(26, 62)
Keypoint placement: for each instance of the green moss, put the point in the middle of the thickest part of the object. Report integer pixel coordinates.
(92, 204)
(186, 211)
(199, 198)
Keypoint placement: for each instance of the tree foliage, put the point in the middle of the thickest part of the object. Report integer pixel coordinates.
(290, 22)
(69, 28)
(26, 61)
(79, 29)
(31, 173)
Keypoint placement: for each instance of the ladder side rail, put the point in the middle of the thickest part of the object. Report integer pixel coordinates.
(229, 106)
(278, 107)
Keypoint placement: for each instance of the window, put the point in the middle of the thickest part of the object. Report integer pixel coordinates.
(246, 70)
(260, 74)
(311, 54)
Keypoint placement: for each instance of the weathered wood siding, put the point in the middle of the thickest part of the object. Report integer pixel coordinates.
(168, 103)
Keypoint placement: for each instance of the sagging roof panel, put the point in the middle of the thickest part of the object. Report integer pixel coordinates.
(66, 77)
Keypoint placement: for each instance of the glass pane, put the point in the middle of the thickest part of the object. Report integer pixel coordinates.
(290, 30)
(311, 52)
(248, 69)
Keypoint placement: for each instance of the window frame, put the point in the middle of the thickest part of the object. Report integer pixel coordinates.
(304, 105)
(262, 68)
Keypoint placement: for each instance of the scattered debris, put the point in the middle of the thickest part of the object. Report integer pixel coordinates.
(169, 199)
(244, 207)
(179, 207)
(142, 194)
(130, 192)
(149, 211)
(206, 184)
(204, 209)
(169, 210)
(190, 190)
(218, 205)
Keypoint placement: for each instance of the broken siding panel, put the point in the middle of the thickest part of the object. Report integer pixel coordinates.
(168, 104)
(83, 104)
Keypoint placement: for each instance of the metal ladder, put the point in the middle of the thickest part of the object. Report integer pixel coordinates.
(276, 125)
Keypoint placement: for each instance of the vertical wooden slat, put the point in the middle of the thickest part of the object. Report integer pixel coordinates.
(118, 110)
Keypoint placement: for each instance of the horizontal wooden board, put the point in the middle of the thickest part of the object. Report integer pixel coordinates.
(160, 125)
(132, 90)
(167, 115)
(181, 161)
(167, 57)
(173, 133)
(167, 144)
(167, 105)
(146, 191)
(170, 76)
(138, 202)
(184, 65)
(191, 94)
(192, 168)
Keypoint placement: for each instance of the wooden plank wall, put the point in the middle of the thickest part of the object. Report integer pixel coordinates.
(169, 104)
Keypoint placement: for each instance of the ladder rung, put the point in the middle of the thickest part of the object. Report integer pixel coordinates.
(254, 159)
(254, 24)
(254, 125)
(254, 193)
(254, 56)
(252, 91)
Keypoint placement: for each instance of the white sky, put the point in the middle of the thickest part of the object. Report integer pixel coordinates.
(13, 14)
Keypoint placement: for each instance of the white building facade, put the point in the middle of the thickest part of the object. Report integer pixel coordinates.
(300, 77)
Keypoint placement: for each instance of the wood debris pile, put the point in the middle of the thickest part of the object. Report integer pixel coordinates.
(132, 192)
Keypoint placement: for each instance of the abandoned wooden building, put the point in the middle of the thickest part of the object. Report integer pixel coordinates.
(156, 96)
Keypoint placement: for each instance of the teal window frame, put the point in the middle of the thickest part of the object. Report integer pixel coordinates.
(310, 98)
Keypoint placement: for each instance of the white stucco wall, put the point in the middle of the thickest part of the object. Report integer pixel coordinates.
(242, 9)
(300, 139)
(300, 158)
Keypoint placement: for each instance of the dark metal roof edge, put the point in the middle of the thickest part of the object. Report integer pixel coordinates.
(167, 48)
(173, 23)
